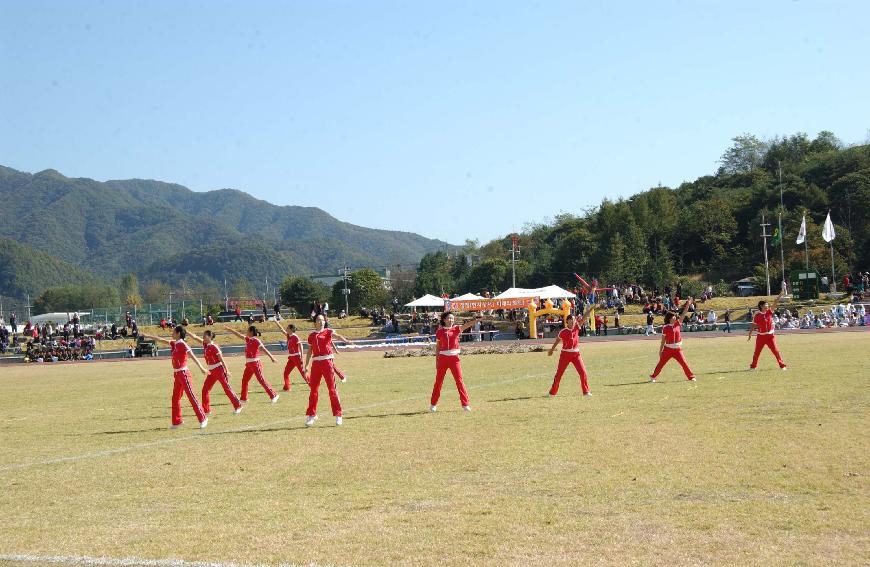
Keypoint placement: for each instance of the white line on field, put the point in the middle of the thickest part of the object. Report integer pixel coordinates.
(136, 446)
(124, 561)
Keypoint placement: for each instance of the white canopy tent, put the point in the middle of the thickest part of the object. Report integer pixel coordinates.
(427, 300)
(468, 297)
(57, 317)
(549, 292)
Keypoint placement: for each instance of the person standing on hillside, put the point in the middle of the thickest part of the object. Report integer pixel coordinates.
(13, 322)
(763, 321)
(180, 351)
(447, 358)
(650, 318)
(727, 319)
(253, 366)
(672, 342)
(570, 354)
(238, 312)
(217, 372)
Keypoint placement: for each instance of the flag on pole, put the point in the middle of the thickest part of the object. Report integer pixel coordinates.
(802, 235)
(828, 232)
(777, 238)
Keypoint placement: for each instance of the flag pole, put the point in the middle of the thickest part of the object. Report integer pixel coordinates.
(833, 276)
(781, 239)
(764, 226)
(806, 250)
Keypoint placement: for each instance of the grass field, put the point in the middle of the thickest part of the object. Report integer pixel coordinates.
(764, 468)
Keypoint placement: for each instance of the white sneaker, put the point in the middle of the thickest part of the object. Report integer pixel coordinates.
(208, 412)
(203, 424)
(466, 408)
(653, 380)
(338, 420)
(433, 409)
(549, 395)
(237, 410)
(588, 394)
(343, 380)
(750, 369)
(692, 379)
(173, 426)
(309, 421)
(275, 399)
(784, 368)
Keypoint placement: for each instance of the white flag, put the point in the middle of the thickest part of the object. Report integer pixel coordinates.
(828, 232)
(802, 235)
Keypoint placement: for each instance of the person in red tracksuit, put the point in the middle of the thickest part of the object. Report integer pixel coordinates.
(672, 341)
(447, 358)
(763, 321)
(217, 372)
(320, 356)
(180, 351)
(570, 354)
(253, 366)
(294, 354)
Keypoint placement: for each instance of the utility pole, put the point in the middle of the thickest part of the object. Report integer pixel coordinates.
(29, 316)
(170, 304)
(781, 235)
(515, 251)
(346, 292)
(226, 297)
(764, 237)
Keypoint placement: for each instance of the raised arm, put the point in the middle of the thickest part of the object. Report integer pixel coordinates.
(468, 325)
(283, 330)
(685, 309)
(194, 337)
(155, 338)
(341, 338)
(235, 332)
(775, 303)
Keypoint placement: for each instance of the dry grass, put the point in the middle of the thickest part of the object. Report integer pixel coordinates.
(766, 468)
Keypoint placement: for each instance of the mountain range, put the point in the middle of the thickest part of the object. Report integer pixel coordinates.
(57, 229)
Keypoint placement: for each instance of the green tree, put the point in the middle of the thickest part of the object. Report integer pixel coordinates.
(661, 267)
(744, 155)
(300, 292)
(156, 292)
(493, 274)
(435, 275)
(130, 290)
(70, 298)
(616, 261)
(366, 289)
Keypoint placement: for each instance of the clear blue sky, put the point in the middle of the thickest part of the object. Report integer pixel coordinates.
(451, 119)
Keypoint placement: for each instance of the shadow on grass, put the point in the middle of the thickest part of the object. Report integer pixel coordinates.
(131, 431)
(383, 415)
(518, 399)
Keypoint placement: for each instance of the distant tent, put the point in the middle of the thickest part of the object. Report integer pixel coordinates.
(427, 300)
(549, 292)
(467, 297)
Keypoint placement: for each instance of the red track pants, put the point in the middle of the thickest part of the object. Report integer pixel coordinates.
(218, 375)
(323, 369)
(442, 364)
(566, 358)
(676, 354)
(768, 341)
(293, 362)
(255, 369)
(182, 386)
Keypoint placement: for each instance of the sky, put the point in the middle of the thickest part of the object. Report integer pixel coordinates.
(452, 119)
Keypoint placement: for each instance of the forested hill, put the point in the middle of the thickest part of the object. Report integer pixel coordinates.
(167, 232)
(707, 227)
